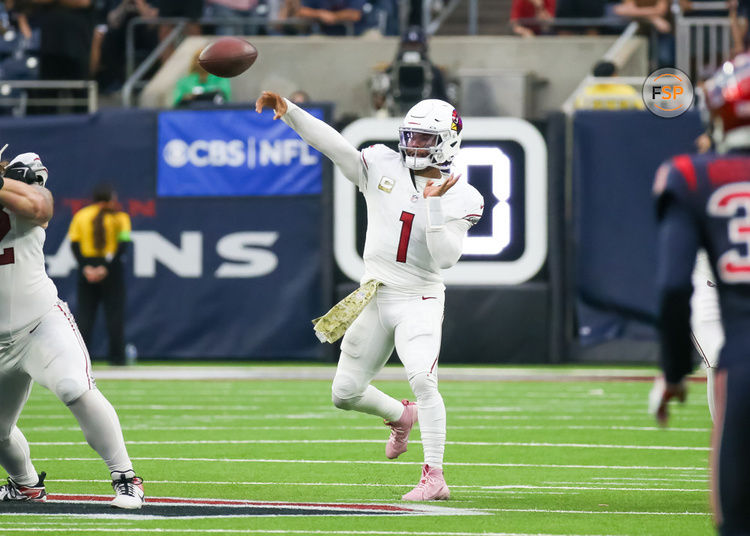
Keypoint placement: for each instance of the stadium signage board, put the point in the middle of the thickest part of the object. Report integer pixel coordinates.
(207, 153)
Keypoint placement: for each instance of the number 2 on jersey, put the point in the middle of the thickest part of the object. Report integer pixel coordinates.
(7, 256)
(407, 218)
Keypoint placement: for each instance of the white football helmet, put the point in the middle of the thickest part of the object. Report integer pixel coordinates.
(430, 135)
(33, 161)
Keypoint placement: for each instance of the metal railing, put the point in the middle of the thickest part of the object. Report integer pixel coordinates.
(702, 43)
(432, 25)
(135, 74)
(134, 78)
(580, 22)
(237, 22)
(23, 101)
(610, 55)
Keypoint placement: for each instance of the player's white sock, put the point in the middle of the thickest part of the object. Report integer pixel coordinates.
(431, 418)
(101, 427)
(15, 458)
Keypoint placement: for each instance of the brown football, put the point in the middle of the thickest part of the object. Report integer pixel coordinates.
(228, 57)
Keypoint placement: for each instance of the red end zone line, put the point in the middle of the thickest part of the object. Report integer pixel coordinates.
(228, 502)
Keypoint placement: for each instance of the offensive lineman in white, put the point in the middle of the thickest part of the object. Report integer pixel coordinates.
(418, 215)
(39, 341)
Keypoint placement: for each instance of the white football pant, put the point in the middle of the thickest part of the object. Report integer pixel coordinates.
(53, 354)
(413, 324)
(705, 321)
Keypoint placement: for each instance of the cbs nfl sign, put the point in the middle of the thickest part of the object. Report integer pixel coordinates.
(224, 153)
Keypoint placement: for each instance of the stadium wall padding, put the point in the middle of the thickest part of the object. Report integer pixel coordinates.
(613, 229)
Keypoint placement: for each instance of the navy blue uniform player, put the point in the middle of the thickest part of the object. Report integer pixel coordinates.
(704, 201)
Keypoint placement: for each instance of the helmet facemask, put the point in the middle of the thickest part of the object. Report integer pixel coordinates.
(430, 136)
(419, 148)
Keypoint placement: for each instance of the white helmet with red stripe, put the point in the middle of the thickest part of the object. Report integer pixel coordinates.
(430, 135)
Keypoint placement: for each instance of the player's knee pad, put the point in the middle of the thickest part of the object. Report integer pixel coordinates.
(68, 390)
(424, 385)
(345, 391)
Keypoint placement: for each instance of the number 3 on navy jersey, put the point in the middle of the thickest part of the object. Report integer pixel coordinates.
(727, 202)
(407, 219)
(7, 256)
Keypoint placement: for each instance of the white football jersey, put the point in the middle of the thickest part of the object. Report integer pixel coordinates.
(26, 291)
(396, 250)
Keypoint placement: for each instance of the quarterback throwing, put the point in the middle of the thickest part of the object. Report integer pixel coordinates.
(418, 214)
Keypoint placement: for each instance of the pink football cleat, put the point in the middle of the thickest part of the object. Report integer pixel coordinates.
(400, 429)
(431, 487)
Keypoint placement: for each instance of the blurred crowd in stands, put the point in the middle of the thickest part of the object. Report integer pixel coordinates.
(529, 18)
(86, 39)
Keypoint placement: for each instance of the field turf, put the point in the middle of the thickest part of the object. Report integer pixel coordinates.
(523, 457)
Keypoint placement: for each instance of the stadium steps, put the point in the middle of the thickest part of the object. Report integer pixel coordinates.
(493, 18)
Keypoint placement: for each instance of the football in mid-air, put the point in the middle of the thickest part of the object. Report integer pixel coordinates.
(227, 57)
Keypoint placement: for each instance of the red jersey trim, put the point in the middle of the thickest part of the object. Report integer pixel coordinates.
(685, 166)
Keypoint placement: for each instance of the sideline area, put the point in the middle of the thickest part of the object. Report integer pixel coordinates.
(307, 371)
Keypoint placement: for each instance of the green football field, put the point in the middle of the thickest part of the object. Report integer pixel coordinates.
(538, 454)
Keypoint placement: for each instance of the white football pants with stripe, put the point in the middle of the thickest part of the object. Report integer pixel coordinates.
(53, 354)
(705, 321)
(413, 324)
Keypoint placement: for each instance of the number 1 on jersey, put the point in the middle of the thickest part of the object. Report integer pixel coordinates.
(407, 218)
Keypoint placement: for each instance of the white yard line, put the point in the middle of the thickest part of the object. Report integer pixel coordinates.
(383, 462)
(146, 427)
(340, 416)
(598, 512)
(356, 484)
(378, 441)
(641, 479)
(326, 372)
(110, 528)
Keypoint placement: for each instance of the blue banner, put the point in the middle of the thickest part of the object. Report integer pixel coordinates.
(236, 277)
(233, 153)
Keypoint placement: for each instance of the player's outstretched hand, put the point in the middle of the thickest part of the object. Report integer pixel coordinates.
(660, 395)
(269, 99)
(431, 190)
